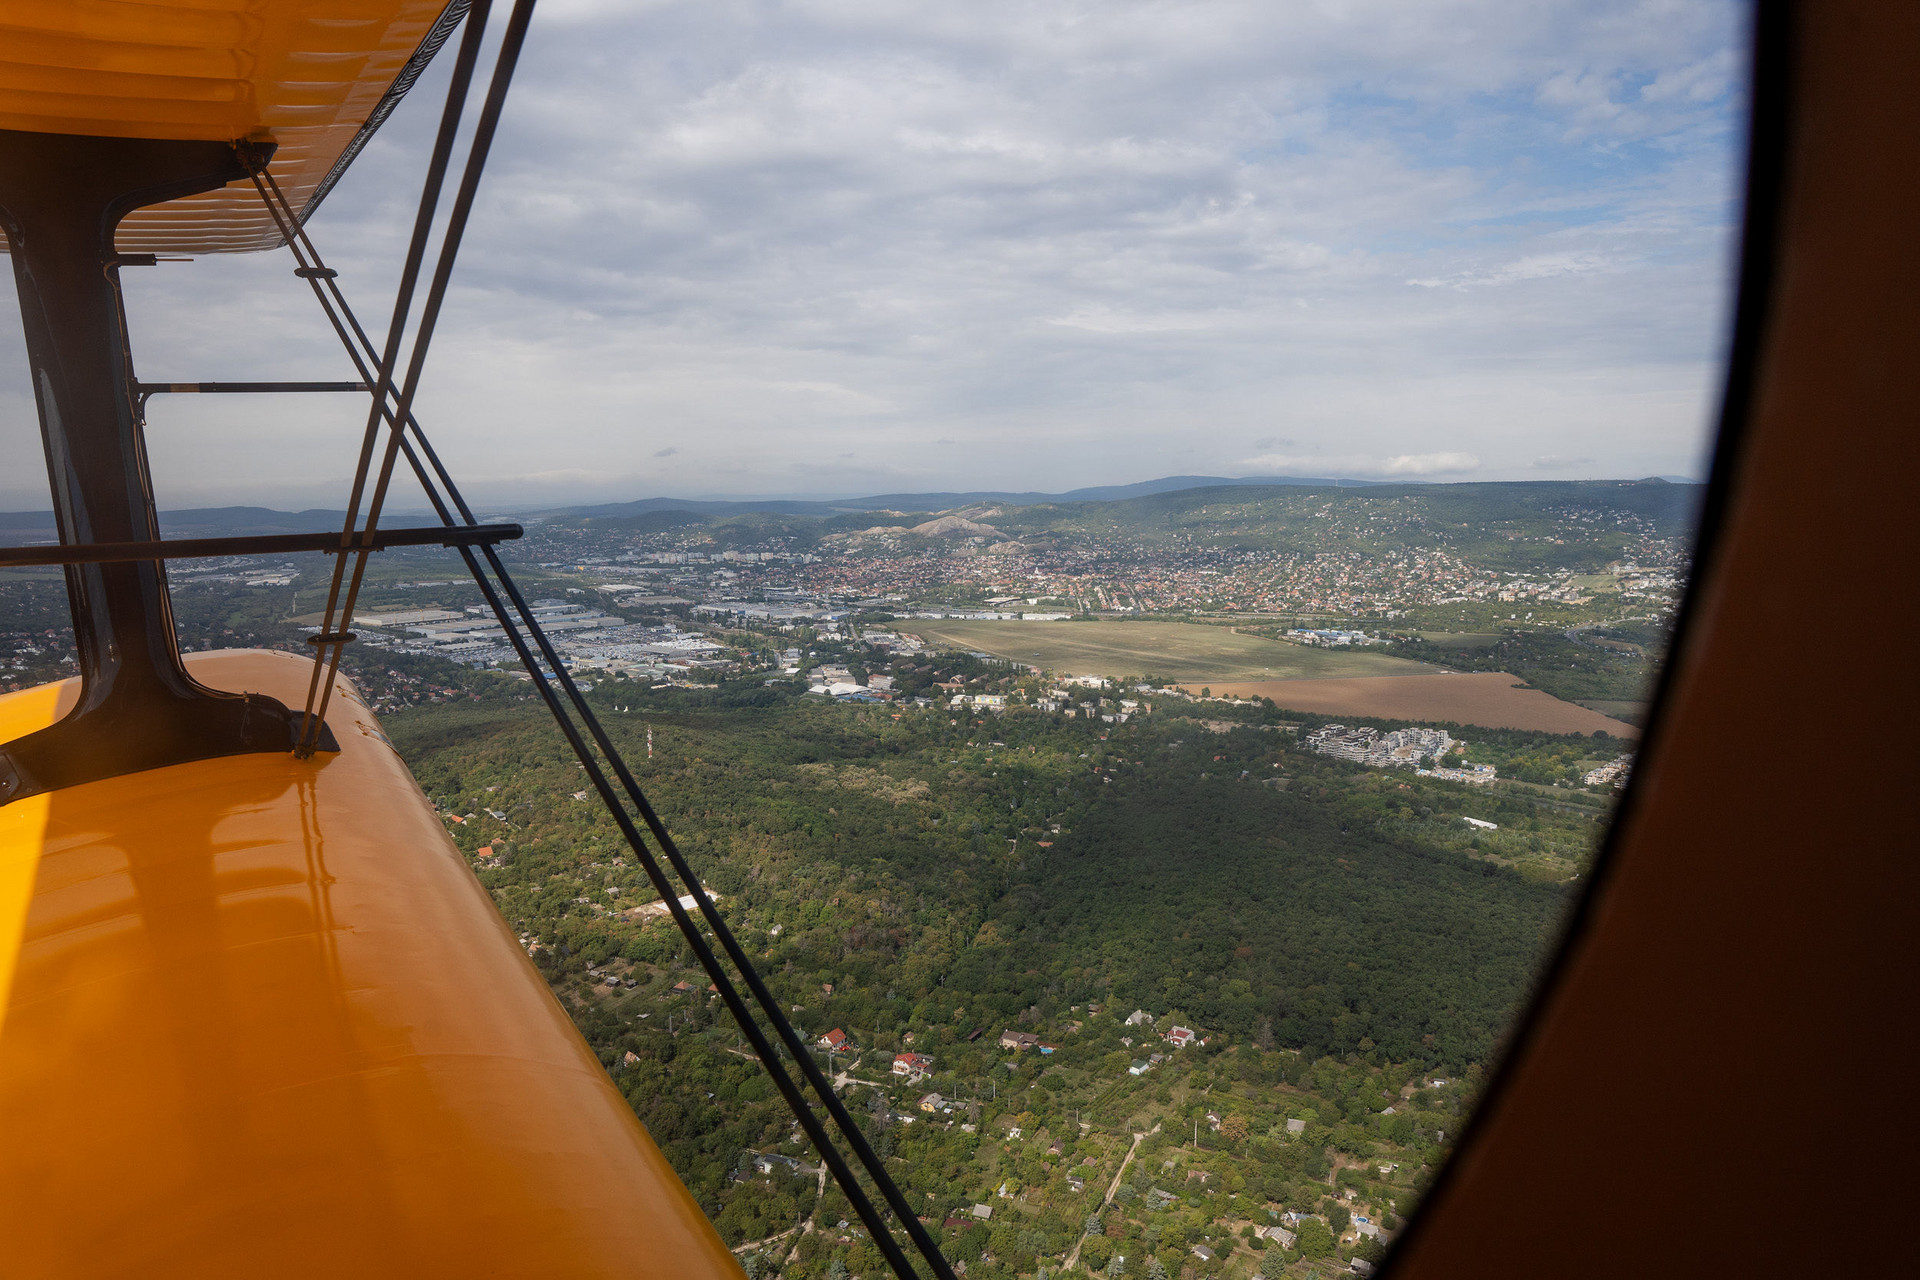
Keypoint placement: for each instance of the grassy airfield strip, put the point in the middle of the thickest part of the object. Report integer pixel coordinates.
(1178, 651)
(1340, 682)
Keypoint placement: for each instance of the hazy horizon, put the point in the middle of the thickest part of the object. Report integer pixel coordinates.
(850, 249)
(511, 506)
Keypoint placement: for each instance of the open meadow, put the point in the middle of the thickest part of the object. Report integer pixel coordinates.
(1493, 699)
(1176, 651)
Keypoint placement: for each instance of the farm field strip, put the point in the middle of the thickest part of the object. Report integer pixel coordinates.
(1170, 650)
(1493, 699)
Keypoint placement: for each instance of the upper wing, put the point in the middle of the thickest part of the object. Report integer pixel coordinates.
(314, 78)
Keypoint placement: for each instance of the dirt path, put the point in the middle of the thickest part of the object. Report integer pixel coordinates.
(1112, 1188)
(753, 1245)
(808, 1225)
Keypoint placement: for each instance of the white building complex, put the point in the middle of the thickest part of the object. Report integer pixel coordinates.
(1397, 748)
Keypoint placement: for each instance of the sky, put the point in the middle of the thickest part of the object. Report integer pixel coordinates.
(843, 247)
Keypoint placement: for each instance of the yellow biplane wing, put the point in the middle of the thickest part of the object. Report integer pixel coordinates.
(257, 1015)
(316, 79)
(262, 1020)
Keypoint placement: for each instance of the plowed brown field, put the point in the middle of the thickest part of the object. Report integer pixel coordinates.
(1486, 698)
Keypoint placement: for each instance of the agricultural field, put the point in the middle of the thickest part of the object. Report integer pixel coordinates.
(1609, 669)
(1172, 651)
(1493, 699)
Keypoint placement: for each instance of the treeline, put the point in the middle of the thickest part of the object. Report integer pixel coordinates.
(1517, 526)
(1549, 661)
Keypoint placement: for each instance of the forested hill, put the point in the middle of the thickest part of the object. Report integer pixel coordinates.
(1512, 526)
(1518, 526)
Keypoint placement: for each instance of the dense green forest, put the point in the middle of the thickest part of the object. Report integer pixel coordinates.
(913, 876)
(1270, 921)
(1620, 663)
(1350, 909)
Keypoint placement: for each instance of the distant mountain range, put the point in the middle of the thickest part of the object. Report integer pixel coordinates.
(932, 501)
(18, 527)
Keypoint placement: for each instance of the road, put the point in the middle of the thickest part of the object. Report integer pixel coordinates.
(753, 1246)
(1112, 1188)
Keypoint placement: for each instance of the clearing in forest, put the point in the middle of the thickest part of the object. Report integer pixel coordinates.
(1180, 651)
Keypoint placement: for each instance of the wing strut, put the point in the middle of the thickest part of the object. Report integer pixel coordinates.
(62, 196)
(271, 544)
(326, 657)
(606, 769)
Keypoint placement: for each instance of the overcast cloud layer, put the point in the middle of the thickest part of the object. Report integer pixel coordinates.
(842, 246)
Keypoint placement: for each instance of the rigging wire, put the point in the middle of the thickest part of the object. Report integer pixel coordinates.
(312, 268)
(403, 424)
(330, 644)
(505, 62)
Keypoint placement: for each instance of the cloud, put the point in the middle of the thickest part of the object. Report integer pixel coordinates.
(1082, 240)
(1539, 266)
(1360, 466)
(1428, 464)
(1104, 320)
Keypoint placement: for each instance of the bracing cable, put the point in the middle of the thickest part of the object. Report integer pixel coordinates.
(327, 652)
(513, 613)
(505, 61)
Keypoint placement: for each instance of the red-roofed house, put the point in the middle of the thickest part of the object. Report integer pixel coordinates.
(834, 1039)
(909, 1064)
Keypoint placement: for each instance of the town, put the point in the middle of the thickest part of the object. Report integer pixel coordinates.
(969, 575)
(1317, 572)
